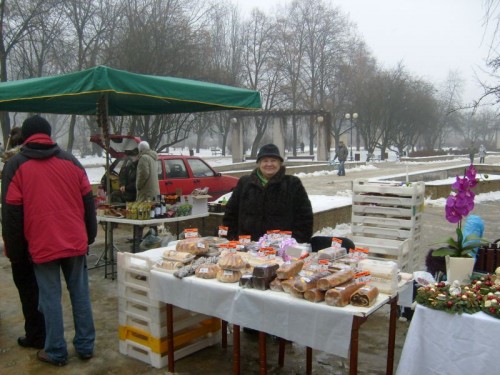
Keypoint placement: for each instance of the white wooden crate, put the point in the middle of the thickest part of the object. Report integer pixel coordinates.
(397, 188)
(411, 223)
(386, 249)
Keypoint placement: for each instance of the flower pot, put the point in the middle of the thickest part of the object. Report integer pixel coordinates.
(459, 269)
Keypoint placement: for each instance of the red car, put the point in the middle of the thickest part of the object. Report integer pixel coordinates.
(174, 171)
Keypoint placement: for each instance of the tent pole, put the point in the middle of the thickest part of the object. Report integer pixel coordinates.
(102, 122)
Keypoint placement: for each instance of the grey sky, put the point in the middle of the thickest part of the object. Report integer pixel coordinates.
(430, 37)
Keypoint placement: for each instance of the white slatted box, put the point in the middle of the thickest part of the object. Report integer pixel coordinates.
(415, 189)
(146, 355)
(386, 249)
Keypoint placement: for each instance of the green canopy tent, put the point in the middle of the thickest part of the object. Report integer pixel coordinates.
(105, 91)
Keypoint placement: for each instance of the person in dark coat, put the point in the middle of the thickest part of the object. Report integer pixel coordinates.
(127, 179)
(48, 208)
(23, 273)
(268, 199)
(341, 154)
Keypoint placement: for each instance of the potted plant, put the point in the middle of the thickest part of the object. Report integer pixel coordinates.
(460, 253)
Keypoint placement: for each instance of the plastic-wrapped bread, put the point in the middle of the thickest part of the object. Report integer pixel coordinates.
(193, 245)
(295, 293)
(171, 265)
(207, 271)
(314, 295)
(364, 296)
(304, 283)
(340, 296)
(287, 285)
(228, 276)
(276, 285)
(288, 270)
(335, 279)
(232, 261)
(177, 256)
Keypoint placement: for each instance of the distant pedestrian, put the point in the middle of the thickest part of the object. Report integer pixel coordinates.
(482, 154)
(49, 209)
(341, 153)
(472, 152)
(302, 146)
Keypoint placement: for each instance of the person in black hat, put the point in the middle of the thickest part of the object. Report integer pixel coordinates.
(269, 199)
(48, 211)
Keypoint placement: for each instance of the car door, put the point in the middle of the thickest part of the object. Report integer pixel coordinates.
(175, 177)
(205, 176)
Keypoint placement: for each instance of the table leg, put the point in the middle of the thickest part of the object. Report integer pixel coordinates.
(224, 333)
(353, 357)
(262, 353)
(392, 335)
(170, 337)
(309, 355)
(281, 352)
(236, 349)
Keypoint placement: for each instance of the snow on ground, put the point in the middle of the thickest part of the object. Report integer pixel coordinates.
(334, 172)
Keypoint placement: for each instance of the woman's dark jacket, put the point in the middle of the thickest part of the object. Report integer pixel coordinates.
(282, 204)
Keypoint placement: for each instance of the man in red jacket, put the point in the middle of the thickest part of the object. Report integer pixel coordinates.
(48, 208)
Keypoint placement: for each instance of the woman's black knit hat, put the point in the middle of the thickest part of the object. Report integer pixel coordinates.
(35, 124)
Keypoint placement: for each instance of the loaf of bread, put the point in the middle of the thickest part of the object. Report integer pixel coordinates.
(335, 279)
(276, 285)
(207, 271)
(304, 283)
(314, 295)
(195, 245)
(340, 296)
(170, 265)
(288, 270)
(177, 256)
(364, 296)
(295, 293)
(287, 285)
(231, 261)
(228, 276)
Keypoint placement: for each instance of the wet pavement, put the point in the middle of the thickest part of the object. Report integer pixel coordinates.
(213, 360)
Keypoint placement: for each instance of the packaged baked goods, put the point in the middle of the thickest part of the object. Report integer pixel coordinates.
(246, 281)
(228, 276)
(262, 283)
(276, 285)
(288, 270)
(207, 271)
(195, 245)
(314, 295)
(335, 279)
(265, 270)
(231, 261)
(303, 283)
(365, 296)
(287, 285)
(177, 256)
(332, 253)
(340, 296)
(170, 265)
(295, 293)
(383, 274)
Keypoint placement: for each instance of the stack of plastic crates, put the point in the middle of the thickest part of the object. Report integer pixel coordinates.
(387, 219)
(143, 320)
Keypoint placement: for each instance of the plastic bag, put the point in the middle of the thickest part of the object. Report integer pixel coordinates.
(150, 241)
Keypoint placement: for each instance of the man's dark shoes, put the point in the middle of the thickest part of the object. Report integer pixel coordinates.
(85, 357)
(25, 343)
(42, 356)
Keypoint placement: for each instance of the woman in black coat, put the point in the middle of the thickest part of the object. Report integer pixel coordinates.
(268, 199)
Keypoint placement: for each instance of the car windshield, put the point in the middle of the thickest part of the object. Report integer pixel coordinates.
(200, 169)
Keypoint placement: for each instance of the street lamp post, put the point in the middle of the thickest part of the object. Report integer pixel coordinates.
(353, 117)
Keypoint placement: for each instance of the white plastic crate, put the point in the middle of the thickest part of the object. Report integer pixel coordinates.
(389, 187)
(380, 211)
(146, 355)
(131, 261)
(382, 233)
(412, 223)
(153, 320)
(386, 249)
(136, 293)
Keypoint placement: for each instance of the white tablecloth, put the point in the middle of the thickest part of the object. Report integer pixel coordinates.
(439, 343)
(315, 325)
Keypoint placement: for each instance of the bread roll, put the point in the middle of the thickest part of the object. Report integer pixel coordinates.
(207, 271)
(314, 295)
(231, 261)
(276, 285)
(287, 285)
(304, 283)
(177, 256)
(340, 296)
(288, 270)
(335, 279)
(228, 276)
(364, 296)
